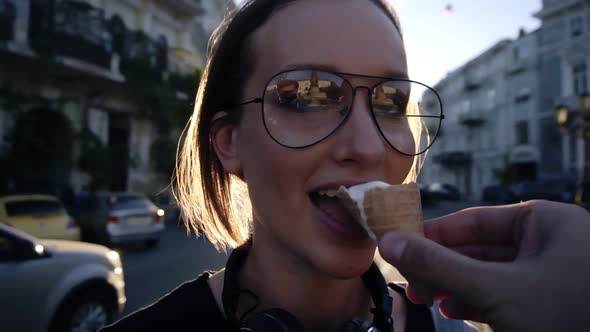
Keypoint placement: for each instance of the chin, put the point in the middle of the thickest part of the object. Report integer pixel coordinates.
(344, 263)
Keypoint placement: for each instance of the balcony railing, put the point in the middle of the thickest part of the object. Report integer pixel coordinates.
(515, 67)
(454, 159)
(71, 28)
(471, 119)
(185, 8)
(143, 57)
(7, 19)
(551, 7)
(472, 84)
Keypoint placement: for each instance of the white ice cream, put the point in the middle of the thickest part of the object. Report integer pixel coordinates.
(357, 194)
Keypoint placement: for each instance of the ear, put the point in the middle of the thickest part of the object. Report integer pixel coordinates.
(224, 139)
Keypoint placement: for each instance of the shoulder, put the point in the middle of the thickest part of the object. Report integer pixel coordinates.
(423, 318)
(190, 305)
(418, 317)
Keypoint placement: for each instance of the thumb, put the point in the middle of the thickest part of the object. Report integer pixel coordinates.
(438, 267)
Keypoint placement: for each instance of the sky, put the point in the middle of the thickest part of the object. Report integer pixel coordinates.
(442, 35)
(440, 40)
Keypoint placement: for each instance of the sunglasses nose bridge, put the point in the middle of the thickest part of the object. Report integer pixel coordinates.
(368, 108)
(356, 88)
(354, 91)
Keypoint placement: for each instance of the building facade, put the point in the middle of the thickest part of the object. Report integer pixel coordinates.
(73, 99)
(489, 127)
(522, 151)
(500, 125)
(564, 57)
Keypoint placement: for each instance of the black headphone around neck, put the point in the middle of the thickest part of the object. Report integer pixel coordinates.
(277, 319)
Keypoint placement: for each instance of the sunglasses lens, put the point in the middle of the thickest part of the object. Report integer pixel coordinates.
(303, 107)
(408, 115)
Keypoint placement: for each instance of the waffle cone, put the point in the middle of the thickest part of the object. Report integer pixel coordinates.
(351, 205)
(395, 208)
(390, 209)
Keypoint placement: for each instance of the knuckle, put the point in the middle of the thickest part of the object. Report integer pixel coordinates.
(414, 255)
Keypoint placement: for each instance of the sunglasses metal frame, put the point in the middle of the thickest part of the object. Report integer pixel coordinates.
(260, 100)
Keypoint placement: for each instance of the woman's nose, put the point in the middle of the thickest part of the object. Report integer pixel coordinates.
(359, 139)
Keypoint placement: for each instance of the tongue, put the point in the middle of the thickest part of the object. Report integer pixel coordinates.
(334, 208)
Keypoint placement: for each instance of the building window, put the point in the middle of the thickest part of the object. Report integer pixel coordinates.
(577, 26)
(523, 96)
(580, 79)
(522, 132)
(491, 98)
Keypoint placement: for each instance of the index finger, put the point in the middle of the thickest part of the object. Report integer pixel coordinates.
(498, 225)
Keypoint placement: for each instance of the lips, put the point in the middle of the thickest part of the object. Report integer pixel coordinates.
(337, 218)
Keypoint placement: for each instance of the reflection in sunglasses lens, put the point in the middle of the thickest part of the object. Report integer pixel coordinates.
(303, 107)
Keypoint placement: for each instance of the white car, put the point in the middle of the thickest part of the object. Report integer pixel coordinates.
(119, 217)
(54, 285)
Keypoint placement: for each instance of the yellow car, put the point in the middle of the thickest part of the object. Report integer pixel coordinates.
(42, 216)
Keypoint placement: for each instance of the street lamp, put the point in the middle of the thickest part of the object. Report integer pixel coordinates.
(565, 118)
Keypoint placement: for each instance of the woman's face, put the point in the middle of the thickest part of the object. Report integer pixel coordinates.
(349, 36)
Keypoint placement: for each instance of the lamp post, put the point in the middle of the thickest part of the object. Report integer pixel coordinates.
(579, 128)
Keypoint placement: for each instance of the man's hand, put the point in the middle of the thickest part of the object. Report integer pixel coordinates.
(522, 267)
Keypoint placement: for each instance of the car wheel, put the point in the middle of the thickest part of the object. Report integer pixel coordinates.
(152, 243)
(86, 312)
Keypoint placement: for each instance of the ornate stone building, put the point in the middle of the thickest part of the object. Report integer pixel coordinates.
(499, 105)
(83, 84)
(487, 105)
(564, 58)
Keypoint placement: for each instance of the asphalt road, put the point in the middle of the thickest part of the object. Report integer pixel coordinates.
(152, 273)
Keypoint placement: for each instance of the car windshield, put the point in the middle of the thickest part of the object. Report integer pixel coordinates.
(129, 202)
(33, 207)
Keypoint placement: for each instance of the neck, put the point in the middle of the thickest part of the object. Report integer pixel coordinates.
(282, 280)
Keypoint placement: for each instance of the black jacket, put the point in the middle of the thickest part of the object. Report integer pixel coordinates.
(192, 307)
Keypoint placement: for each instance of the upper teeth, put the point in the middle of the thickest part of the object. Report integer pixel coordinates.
(329, 193)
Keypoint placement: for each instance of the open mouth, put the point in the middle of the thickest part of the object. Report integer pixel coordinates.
(336, 215)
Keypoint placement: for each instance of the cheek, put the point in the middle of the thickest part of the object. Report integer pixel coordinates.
(272, 172)
(398, 167)
(403, 139)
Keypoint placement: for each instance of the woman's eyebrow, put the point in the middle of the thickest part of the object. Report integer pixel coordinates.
(325, 67)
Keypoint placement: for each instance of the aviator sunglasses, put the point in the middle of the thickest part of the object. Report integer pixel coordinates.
(302, 107)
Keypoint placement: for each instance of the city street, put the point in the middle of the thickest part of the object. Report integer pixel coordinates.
(107, 108)
(151, 273)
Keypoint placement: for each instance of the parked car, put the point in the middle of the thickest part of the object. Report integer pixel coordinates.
(167, 202)
(498, 194)
(56, 285)
(444, 191)
(117, 217)
(39, 215)
(425, 195)
(559, 190)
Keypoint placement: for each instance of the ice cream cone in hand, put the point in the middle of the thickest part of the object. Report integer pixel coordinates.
(381, 208)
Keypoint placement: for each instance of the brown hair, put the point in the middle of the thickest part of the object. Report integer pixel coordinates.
(213, 201)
